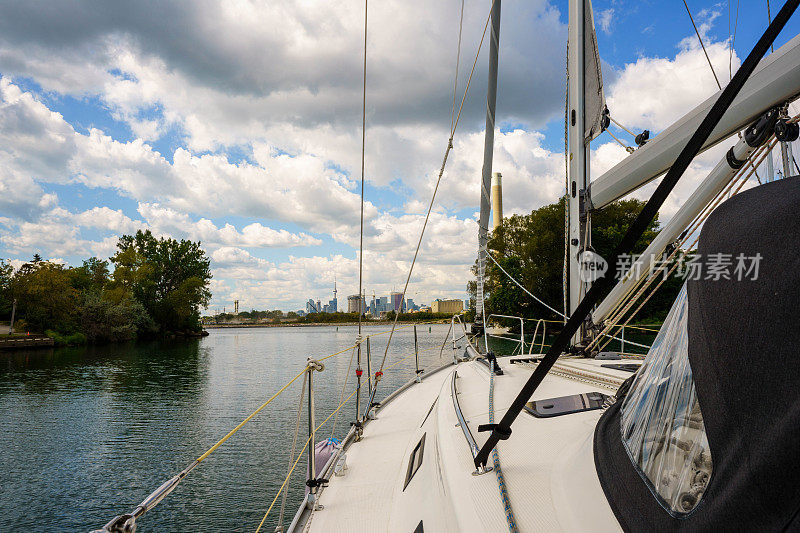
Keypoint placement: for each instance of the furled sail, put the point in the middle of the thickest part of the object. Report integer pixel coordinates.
(595, 99)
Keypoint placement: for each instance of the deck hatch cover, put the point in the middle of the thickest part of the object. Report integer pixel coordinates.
(625, 367)
(565, 405)
(415, 461)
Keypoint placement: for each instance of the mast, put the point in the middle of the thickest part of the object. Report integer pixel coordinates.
(486, 172)
(579, 221)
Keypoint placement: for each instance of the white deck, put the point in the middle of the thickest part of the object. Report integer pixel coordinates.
(548, 462)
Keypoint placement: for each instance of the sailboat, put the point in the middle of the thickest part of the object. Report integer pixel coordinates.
(701, 434)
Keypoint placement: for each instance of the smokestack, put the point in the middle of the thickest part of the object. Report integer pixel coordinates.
(497, 200)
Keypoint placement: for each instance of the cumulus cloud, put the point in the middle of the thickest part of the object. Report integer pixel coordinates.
(280, 83)
(654, 92)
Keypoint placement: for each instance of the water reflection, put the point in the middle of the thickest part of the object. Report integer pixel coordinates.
(88, 432)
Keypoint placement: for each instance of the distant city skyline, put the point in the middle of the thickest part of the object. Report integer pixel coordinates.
(260, 160)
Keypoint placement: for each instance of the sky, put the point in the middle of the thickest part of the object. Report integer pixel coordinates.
(238, 123)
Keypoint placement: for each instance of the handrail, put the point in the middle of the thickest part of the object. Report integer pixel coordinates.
(465, 335)
(473, 446)
(521, 340)
(544, 335)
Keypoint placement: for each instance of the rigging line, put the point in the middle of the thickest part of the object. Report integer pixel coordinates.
(521, 287)
(308, 440)
(344, 386)
(620, 125)
(294, 447)
(769, 19)
(637, 228)
(438, 181)
(246, 420)
(733, 41)
(628, 149)
(736, 183)
(701, 43)
(284, 484)
(458, 63)
(363, 148)
(635, 292)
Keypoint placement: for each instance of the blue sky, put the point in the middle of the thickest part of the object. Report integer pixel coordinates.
(238, 124)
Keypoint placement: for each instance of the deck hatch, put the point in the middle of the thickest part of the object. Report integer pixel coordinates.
(565, 405)
(415, 461)
(625, 367)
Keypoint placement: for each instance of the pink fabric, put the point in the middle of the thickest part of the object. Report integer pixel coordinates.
(323, 451)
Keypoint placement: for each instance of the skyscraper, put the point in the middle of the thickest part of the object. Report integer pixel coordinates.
(396, 301)
(353, 302)
(383, 304)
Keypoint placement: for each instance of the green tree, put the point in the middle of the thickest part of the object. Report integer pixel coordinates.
(531, 249)
(45, 296)
(169, 277)
(103, 320)
(6, 298)
(92, 276)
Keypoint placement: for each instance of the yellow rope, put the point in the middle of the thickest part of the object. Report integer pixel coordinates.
(338, 353)
(298, 459)
(246, 420)
(284, 484)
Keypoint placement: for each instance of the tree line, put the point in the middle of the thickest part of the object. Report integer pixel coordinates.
(156, 288)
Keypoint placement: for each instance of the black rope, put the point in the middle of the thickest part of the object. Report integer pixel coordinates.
(650, 210)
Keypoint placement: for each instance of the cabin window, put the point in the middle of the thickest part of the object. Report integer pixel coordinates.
(415, 461)
(661, 423)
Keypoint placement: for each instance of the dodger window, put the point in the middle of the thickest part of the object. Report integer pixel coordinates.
(661, 423)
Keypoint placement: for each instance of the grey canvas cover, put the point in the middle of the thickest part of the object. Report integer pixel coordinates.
(743, 339)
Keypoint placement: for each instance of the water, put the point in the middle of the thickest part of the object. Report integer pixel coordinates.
(87, 433)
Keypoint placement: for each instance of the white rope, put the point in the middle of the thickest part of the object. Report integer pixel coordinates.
(294, 448)
(547, 306)
(436, 188)
(344, 386)
(559, 313)
(363, 149)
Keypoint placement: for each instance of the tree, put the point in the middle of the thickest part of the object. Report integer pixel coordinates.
(103, 320)
(531, 249)
(6, 298)
(169, 277)
(92, 276)
(45, 296)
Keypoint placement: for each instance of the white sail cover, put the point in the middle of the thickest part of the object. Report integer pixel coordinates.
(595, 99)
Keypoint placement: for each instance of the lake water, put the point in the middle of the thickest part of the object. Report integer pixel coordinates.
(87, 433)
